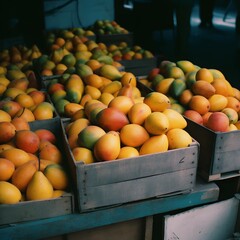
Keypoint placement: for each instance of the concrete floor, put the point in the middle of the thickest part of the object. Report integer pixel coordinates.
(210, 48)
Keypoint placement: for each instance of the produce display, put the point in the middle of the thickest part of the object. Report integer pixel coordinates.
(105, 113)
(67, 58)
(131, 124)
(20, 96)
(54, 37)
(31, 164)
(123, 51)
(20, 56)
(201, 94)
(79, 88)
(108, 27)
(67, 48)
(22, 151)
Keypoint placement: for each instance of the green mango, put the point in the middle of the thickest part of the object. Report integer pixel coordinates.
(105, 59)
(70, 70)
(177, 87)
(156, 79)
(83, 70)
(73, 95)
(190, 79)
(60, 106)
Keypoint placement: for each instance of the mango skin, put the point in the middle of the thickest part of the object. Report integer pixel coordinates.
(111, 119)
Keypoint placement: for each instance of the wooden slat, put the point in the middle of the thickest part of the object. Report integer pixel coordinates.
(202, 193)
(36, 210)
(141, 167)
(219, 152)
(135, 190)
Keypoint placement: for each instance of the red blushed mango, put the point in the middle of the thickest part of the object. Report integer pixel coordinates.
(54, 87)
(194, 116)
(7, 130)
(45, 134)
(153, 73)
(218, 122)
(111, 119)
(27, 140)
(11, 107)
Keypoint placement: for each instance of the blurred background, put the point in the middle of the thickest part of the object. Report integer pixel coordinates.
(154, 27)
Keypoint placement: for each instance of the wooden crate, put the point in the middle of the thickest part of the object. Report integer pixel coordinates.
(140, 67)
(219, 152)
(103, 184)
(216, 221)
(40, 209)
(36, 210)
(137, 229)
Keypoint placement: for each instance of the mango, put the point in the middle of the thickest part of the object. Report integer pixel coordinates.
(163, 86)
(111, 119)
(112, 87)
(177, 87)
(89, 136)
(9, 194)
(175, 119)
(110, 72)
(107, 147)
(83, 70)
(185, 65)
(154, 144)
(203, 88)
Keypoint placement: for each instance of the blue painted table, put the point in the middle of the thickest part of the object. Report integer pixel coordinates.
(203, 193)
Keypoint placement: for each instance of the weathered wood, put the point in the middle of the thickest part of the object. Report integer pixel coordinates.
(202, 193)
(219, 152)
(35, 210)
(109, 183)
(193, 224)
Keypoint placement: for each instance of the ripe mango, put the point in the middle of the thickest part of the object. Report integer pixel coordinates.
(107, 147)
(185, 65)
(111, 119)
(110, 72)
(203, 88)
